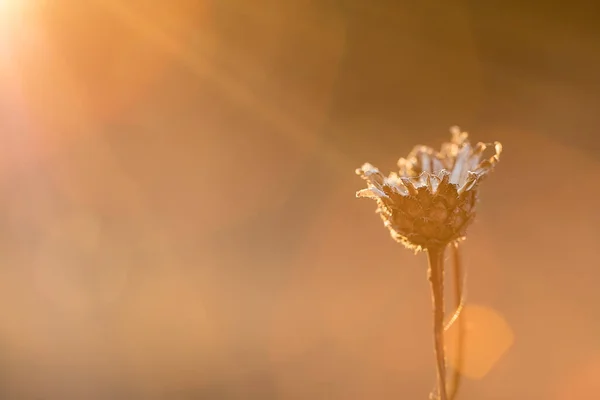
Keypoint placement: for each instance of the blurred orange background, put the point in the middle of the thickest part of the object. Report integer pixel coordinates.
(178, 194)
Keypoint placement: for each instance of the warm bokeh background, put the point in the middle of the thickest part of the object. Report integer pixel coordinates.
(179, 219)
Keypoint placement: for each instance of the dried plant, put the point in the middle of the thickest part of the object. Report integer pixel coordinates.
(428, 205)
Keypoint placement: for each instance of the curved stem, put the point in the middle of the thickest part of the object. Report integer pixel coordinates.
(459, 298)
(436, 279)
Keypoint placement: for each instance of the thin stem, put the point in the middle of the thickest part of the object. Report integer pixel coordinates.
(436, 279)
(459, 298)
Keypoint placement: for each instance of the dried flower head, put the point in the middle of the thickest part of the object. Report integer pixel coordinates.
(431, 201)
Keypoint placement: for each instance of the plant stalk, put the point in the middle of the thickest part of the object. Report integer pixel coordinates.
(459, 296)
(436, 280)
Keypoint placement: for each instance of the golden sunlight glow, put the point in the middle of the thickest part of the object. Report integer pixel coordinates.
(9, 9)
(5, 5)
(178, 204)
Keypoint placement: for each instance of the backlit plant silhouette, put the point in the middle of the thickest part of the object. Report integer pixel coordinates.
(429, 205)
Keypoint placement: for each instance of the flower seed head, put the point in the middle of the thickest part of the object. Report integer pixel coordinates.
(431, 201)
